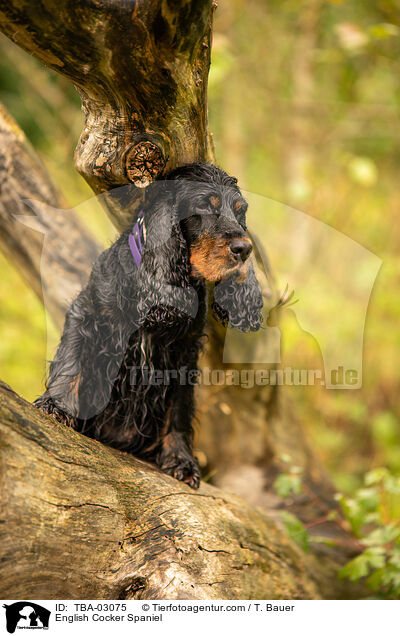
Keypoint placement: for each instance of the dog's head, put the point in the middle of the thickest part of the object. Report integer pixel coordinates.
(207, 213)
(212, 213)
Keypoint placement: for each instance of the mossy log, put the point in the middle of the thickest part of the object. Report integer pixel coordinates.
(81, 520)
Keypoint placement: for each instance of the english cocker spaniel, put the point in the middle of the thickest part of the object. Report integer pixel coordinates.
(144, 308)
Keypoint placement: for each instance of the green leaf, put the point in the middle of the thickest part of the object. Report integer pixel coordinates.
(355, 569)
(286, 484)
(296, 530)
(353, 512)
(392, 484)
(375, 538)
(375, 476)
(368, 498)
(394, 558)
(375, 557)
(375, 580)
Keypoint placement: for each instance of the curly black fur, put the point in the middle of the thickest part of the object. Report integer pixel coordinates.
(129, 318)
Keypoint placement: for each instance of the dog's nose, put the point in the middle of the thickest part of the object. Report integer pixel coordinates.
(240, 249)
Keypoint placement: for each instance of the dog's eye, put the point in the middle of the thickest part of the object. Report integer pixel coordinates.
(215, 201)
(240, 206)
(209, 205)
(203, 206)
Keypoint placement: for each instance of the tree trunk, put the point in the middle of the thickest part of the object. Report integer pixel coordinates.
(141, 70)
(31, 208)
(299, 155)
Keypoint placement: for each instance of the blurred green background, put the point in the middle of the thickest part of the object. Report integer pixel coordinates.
(304, 104)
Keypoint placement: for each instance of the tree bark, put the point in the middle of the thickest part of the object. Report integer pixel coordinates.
(81, 520)
(141, 69)
(32, 208)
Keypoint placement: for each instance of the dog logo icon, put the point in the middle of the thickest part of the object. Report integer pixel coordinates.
(26, 615)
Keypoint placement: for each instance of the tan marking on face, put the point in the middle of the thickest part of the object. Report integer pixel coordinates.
(209, 258)
(212, 259)
(215, 201)
(238, 206)
(242, 272)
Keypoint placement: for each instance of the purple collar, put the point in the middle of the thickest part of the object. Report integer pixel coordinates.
(137, 238)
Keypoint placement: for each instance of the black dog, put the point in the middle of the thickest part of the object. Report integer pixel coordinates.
(144, 307)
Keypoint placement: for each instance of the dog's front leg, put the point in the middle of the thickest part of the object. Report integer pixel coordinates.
(175, 456)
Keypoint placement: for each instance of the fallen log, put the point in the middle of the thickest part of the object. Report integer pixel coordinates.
(81, 520)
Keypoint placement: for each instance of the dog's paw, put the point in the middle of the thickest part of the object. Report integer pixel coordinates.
(181, 466)
(50, 408)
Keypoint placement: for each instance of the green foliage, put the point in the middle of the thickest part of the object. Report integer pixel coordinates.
(374, 515)
(296, 530)
(288, 483)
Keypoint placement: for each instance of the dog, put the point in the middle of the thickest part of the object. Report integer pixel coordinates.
(145, 307)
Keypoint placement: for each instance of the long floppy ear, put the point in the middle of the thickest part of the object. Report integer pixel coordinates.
(239, 304)
(166, 296)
